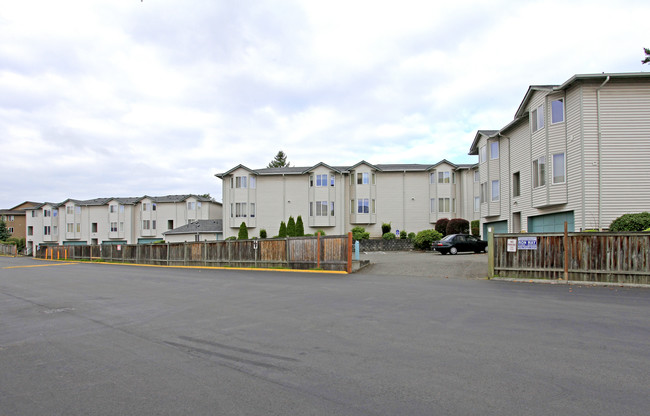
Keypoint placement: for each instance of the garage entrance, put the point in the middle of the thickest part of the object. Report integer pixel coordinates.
(551, 223)
(497, 227)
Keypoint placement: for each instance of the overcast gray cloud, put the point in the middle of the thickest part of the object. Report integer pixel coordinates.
(125, 98)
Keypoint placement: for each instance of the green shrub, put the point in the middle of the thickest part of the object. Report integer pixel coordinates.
(232, 237)
(441, 226)
(262, 233)
(411, 236)
(18, 242)
(300, 227)
(243, 232)
(476, 228)
(457, 226)
(424, 239)
(402, 235)
(283, 230)
(322, 233)
(388, 236)
(359, 233)
(291, 227)
(4, 231)
(631, 222)
(385, 228)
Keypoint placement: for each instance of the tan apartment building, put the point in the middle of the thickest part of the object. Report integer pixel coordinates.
(575, 152)
(14, 219)
(335, 199)
(138, 220)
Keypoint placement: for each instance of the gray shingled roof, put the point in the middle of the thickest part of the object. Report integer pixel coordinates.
(198, 227)
(395, 167)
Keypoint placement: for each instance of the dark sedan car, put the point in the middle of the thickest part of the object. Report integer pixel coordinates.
(455, 243)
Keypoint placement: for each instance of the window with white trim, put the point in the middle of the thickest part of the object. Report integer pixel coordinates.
(112, 208)
(332, 208)
(559, 168)
(363, 206)
(321, 180)
(191, 206)
(69, 227)
(240, 209)
(444, 177)
(482, 154)
(240, 181)
(30, 230)
(47, 230)
(477, 204)
(114, 227)
(537, 117)
(444, 205)
(495, 191)
(477, 176)
(321, 209)
(252, 210)
(539, 172)
(252, 181)
(362, 178)
(483, 192)
(516, 184)
(557, 111)
(146, 224)
(494, 150)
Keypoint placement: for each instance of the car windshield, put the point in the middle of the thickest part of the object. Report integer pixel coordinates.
(449, 237)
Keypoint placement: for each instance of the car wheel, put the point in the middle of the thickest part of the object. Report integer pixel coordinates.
(453, 250)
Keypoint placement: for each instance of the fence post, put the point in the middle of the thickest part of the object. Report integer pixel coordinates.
(318, 250)
(286, 242)
(349, 252)
(566, 251)
(491, 253)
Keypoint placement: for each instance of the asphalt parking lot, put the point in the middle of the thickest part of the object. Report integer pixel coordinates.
(426, 264)
(98, 339)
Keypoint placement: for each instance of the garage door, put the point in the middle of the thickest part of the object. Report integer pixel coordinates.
(497, 227)
(551, 223)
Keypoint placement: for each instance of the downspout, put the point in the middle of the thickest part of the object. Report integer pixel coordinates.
(599, 134)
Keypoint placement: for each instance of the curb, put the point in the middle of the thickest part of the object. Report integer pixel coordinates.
(571, 282)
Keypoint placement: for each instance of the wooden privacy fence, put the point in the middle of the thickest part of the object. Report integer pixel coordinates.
(326, 252)
(590, 256)
(8, 250)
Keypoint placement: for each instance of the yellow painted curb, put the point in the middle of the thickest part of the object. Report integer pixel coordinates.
(198, 267)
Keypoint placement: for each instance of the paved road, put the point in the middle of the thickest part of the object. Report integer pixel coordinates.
(426, 264)
(92, 339)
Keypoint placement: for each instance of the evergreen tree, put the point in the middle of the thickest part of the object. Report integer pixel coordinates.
(4, 232)
(283, 230)
(647, 56)
(243, 232)
(291, 227)
(279, 161)
(300, 228)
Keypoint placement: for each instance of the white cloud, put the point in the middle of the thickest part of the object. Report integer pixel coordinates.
(108, 98)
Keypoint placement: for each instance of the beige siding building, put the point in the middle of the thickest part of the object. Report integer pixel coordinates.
(114, 220)
(335, 199)
(576, 152)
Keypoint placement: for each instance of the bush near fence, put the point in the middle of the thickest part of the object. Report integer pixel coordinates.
(326, 253)
(591, 257)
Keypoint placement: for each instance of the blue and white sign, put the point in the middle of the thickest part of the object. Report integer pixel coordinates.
(527, 243)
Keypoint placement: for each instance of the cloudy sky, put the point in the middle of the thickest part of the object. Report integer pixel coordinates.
(109, 98)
